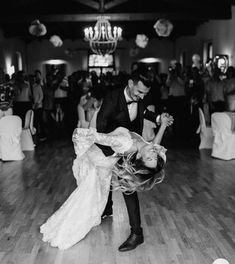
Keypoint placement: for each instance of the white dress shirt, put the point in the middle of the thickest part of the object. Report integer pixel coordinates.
(132, 108)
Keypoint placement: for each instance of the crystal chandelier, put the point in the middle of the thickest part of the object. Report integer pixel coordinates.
(102, 38)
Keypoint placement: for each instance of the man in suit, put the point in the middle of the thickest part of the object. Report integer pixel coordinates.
(127, 108)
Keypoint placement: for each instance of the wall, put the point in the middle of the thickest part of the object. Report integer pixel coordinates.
(38, 52)
(220, 32)
(8, 49)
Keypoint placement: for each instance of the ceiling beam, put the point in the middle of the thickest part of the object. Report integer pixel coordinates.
(90, 3)
(114, 3)
(202, 15)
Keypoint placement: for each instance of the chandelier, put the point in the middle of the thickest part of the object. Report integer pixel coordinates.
(102, 38)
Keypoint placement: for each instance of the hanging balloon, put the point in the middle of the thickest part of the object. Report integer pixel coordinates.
(141, 40)
(56, 41)
(37, 29)
(163, 27)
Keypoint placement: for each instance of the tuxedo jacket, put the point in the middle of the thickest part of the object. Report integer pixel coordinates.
(114, 113)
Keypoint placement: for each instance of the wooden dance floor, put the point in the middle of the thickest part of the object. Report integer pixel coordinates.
(188, 219)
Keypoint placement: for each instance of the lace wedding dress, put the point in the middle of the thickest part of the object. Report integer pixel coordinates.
(92, 171)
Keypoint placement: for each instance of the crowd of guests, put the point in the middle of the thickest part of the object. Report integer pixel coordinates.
(61, 103)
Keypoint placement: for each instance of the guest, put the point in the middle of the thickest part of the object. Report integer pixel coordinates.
(38, 110)
(229, 82)
(178, 107)
(215, 92)
(88, 108)
(23, 96)
(230, 108)
(164, 91)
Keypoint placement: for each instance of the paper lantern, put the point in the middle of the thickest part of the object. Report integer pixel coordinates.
(37, 29)
(163, 27)
(141, 40)
(56, 41)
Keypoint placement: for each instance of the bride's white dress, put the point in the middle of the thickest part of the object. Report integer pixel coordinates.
(92, 171)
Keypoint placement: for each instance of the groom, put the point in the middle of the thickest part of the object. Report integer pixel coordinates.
(127, 108)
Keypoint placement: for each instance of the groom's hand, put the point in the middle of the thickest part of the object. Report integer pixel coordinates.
(169, 117)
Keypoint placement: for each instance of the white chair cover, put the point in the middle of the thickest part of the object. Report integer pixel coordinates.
(224, 139)
(27, 132)
(10, 131)
(206, 135)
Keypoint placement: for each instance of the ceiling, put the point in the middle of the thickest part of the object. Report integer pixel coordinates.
(67, 18)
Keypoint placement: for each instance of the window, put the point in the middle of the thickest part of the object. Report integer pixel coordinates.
(96, 60)
(101, 64)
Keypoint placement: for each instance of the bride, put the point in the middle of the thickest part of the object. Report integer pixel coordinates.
(136, 166)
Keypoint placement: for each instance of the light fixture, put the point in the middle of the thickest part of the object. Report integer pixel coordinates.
(102, 38)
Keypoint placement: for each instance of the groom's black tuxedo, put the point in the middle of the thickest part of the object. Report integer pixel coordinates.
(112, 114)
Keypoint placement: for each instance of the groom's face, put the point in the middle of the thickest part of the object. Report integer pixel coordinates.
(137, 91)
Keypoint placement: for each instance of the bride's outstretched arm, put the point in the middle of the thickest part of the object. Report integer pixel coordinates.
(83, 138)
(109, 140)
(166, 121)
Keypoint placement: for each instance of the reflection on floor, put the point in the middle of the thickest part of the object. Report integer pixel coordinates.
(188, 219)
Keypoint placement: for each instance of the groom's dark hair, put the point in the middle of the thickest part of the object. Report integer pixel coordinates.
(141, 75)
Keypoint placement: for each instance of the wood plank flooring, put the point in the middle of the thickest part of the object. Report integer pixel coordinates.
(188, 219)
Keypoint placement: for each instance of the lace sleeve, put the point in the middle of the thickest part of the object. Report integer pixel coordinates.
(82, 139)
(119, 140)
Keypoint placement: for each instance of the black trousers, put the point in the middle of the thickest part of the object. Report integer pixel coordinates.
(133, 210)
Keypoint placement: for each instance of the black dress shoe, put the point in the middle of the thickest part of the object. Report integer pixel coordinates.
(132, 242)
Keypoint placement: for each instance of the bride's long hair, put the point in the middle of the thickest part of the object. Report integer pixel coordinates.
(131, 175)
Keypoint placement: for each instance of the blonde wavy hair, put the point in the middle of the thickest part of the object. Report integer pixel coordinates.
(130, 174)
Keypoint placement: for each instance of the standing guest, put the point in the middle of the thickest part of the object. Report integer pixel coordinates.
(164, 90)
(23, 96)
(229, 82)
(214, 89)
(38, 109)
(178, 107)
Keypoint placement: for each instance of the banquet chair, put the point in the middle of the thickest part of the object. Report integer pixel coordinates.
(206, 135)
(28, 131)
(10, 131)
(224, 138)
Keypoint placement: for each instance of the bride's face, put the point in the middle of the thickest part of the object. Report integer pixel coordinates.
(149, 155)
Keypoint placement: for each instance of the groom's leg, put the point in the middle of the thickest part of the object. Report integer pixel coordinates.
(108, 211)
(133, 209)
(136, 237)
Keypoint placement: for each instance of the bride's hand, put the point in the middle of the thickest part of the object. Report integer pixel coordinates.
(166, 119)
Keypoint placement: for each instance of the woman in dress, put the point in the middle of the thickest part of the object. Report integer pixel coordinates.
(88, 108)
(139, 170)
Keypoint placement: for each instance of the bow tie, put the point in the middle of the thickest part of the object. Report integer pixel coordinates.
(131, 102)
